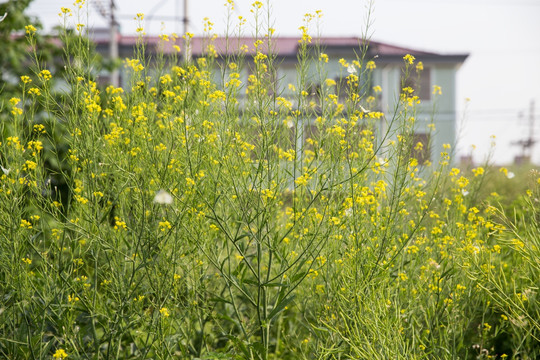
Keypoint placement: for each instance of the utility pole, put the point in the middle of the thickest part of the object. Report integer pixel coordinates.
(185, 20)
(113, 45)
(527, 144)
(531, 140)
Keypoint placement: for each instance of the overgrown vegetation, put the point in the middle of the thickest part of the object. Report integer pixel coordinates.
(204, 219)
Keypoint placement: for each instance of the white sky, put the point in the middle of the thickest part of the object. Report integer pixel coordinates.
(501, 75)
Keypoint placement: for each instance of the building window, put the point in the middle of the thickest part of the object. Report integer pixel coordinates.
(420, 82)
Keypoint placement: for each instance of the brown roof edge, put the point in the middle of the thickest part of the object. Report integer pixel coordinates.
(288, 46)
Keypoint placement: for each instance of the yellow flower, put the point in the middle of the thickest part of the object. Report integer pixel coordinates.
(306, 39)
(119, 224)
(164, 312)
(259, 57)
(165, 225)
(478, 171)
(403, 276)
(30, 29)
(330, 82)
(65, 11)
(409, 58)
(60, 354)
(29, 165)
(79, 3)
(34, 91)
(303, 180)
(26, 79)
(26, 224)
(371, 65)
(45, 75)
(135, 64)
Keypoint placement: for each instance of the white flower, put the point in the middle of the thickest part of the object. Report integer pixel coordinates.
(510, 175)
(290, 124)
(364, 110)
(351, 69)
(163, 197)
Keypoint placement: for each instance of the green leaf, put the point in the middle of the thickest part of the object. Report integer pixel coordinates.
(280, 307)
(275, 284)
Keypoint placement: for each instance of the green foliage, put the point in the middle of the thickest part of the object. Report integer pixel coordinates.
(208, 216)
(15, 58)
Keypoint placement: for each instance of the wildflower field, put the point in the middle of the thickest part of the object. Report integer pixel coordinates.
(193, 214)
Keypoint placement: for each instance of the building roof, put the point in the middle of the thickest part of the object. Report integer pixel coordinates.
(287, 47)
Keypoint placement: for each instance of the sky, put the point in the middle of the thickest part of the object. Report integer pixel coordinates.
(500, 78)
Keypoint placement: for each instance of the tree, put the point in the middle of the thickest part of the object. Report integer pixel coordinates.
(15, 57)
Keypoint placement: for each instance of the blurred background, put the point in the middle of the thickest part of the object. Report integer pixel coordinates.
(498, 91)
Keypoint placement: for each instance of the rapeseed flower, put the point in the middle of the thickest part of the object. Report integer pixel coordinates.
(60, 354)
(30, 29)
(164, 312)
(409, 59)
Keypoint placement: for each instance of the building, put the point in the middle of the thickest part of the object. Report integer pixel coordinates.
(439, 72)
